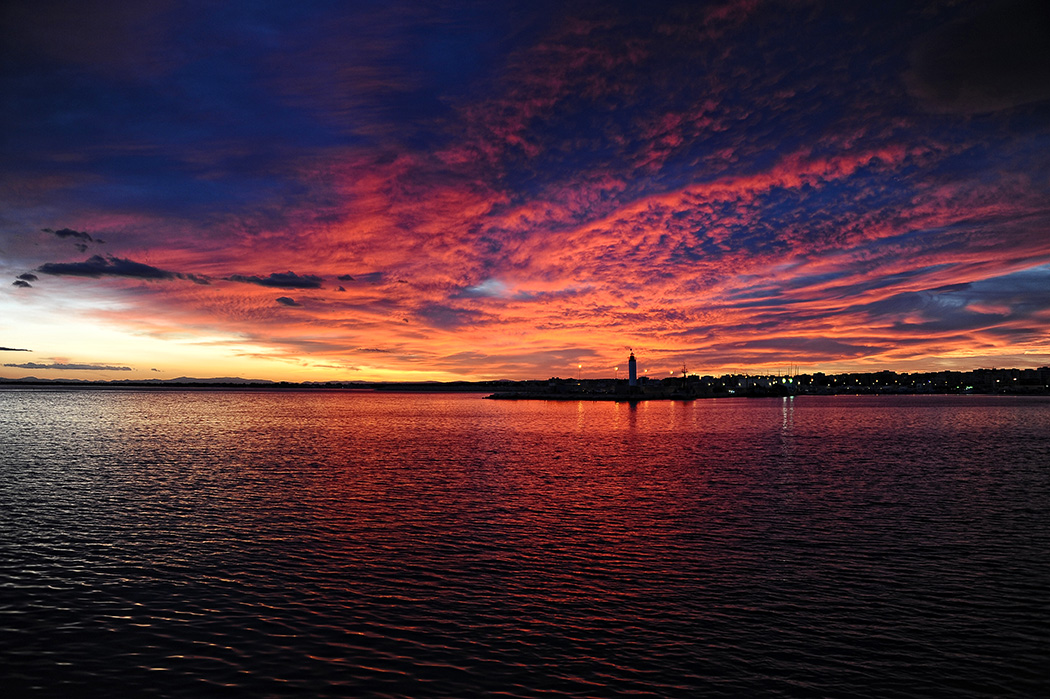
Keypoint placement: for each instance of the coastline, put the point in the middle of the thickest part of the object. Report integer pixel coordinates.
(1018, 382)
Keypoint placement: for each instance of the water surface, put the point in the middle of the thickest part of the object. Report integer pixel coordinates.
(342, 544)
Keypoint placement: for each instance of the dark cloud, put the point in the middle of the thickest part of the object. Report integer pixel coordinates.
(992, 60)
(281, 280)
(807, 348)
(70, 233)
(568, 358)
(287, 301)
(98, 266)
(71, 367)
(82, 238)
(28, 276)
(997, 305)
(442, 316)
(21, 284)
(13, 349)
(371, 278)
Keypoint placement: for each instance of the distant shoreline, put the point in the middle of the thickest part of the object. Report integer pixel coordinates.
(564, 397)
(687, 387)
(501, 395)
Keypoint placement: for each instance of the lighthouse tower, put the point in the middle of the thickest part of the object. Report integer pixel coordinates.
(632, 371)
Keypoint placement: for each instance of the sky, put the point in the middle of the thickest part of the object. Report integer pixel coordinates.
(370, 191)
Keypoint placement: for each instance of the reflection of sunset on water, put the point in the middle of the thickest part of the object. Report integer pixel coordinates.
(337, 543)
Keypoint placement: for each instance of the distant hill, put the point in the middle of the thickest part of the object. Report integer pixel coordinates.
(225, 380)
(189, 379)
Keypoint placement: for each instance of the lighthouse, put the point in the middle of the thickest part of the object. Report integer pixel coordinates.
(632, 371)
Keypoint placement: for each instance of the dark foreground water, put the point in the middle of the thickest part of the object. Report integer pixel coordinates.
(210, 543)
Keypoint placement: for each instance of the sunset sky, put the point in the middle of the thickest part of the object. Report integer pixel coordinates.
(480, 190)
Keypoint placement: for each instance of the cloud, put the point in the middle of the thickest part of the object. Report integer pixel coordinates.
(13, 349)
(70, 233)
(21, 284)
(280, 280)
(28, 276)
(739, 177)
(71, 367)
(804, 349)
(98, 266)
(490, 288)
(84, 238)
(446, 317)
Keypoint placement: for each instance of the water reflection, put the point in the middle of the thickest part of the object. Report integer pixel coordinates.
(788, 414)
(333, 544)
(631, 412)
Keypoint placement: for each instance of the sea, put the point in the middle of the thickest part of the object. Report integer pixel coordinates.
(338, 544)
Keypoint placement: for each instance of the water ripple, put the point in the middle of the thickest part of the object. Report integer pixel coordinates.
(328, 544)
